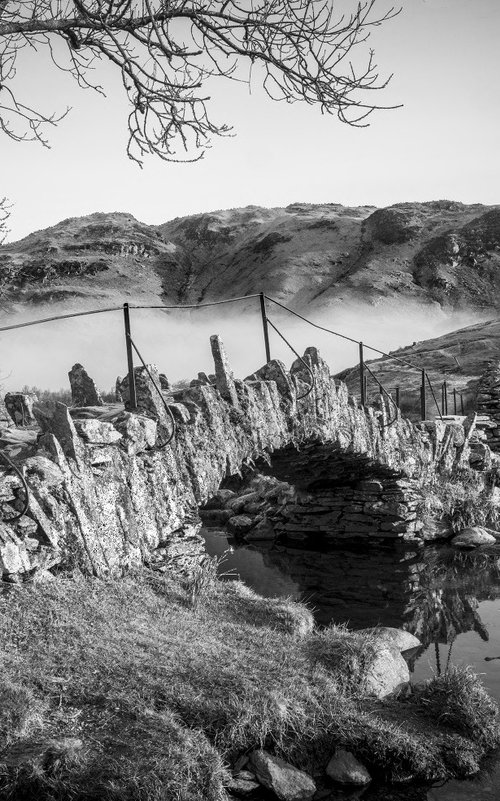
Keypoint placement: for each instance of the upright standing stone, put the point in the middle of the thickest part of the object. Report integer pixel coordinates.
(5, 418)
(149, 401)
(20, 407)
(223, 375)
(118, 389)
(165, 383)
(83, 389)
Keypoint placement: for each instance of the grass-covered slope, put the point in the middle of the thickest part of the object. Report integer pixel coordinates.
(460, 358)
(141, 688)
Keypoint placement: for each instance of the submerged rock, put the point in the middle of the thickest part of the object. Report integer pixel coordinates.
(240, 524)
(285, 781)
(344, 768)
(264, 530)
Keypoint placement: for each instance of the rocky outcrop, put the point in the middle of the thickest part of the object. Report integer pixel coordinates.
(444, 265)
(393, 225)
(108, 490)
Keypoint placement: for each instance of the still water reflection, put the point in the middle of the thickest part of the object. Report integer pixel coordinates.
(449, 599)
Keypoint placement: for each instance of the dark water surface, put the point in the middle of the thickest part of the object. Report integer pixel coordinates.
(450, 600)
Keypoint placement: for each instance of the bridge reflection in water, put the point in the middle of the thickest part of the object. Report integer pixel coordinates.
(437, 592)
(449, 599)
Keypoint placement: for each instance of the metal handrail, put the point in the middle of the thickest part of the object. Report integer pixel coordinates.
(357, 342)
(160, 393)
(389, 396)
(310, 389)
(263, 297)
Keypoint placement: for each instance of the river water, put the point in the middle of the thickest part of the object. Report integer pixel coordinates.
(449, 599)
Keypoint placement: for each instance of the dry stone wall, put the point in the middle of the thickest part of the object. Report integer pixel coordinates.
(488, 404)
(107, 496)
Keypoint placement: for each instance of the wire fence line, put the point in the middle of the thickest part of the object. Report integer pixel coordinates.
(265, 299)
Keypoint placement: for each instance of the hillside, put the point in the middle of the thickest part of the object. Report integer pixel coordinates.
(442, 254)
(459, 358)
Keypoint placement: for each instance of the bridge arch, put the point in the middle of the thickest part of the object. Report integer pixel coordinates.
(342, 495)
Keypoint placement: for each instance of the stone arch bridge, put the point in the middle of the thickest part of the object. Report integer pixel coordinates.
(105, 496)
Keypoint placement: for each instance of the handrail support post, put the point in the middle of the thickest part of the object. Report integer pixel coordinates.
(130, 358)
(362, 379)
(423, 410)
(265, 328)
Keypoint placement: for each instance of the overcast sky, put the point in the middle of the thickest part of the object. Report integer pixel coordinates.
(443, 144)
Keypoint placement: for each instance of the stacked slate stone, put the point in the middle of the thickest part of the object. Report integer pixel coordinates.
(371, 508)
(488, 405)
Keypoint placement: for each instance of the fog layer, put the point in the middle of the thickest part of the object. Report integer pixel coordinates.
(179, 341)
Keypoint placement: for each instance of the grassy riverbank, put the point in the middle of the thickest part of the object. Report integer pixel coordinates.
(119, 689)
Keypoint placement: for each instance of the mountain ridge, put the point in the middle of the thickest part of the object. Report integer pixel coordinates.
(441, 254)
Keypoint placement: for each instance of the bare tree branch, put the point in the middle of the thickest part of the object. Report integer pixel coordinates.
(4, 214)
(168, 50)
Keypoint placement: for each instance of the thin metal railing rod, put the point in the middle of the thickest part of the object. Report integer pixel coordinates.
(388, 395)
(343, 336)
(299, 397)
(160, 393)
(434, 396)
(60, 317)
(199, 305)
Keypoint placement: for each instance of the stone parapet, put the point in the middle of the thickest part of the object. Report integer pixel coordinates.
(106, 497)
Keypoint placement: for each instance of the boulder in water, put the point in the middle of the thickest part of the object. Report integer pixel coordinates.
(473, 537)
